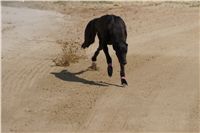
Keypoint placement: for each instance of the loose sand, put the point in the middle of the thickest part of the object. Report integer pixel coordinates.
(162, 70)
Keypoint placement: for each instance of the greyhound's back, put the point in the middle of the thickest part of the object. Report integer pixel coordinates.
(113, 25)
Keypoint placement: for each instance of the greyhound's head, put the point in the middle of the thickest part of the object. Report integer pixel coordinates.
(90, 33)
(121, 52)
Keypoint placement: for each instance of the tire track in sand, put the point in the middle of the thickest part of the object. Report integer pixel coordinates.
(25, 62)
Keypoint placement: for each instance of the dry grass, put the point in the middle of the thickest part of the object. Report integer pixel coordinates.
(71, 53)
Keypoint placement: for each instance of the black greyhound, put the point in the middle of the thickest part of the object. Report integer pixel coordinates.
(110, 29)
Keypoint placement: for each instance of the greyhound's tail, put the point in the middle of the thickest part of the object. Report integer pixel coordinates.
(90, 33)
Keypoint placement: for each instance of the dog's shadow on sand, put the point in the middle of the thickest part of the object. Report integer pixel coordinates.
(72, 77)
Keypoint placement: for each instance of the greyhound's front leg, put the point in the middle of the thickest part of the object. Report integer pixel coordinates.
(122, 75)
(94, 58)
(109, 60)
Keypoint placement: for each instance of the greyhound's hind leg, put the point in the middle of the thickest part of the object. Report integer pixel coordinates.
(109, 61)
(122, 75)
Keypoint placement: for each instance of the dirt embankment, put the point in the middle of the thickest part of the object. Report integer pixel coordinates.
(162, 69)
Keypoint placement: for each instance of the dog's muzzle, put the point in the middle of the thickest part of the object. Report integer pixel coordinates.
(83, 46)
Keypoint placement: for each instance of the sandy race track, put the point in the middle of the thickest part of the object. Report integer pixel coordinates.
(162, 71)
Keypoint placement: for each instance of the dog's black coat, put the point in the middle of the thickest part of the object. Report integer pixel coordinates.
(111, 30)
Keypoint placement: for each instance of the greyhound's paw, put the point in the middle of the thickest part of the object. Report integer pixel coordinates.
(94, 67)
(124, 82)
(110, 70)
